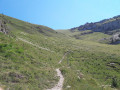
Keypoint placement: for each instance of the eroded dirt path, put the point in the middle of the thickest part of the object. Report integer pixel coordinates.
(59, 85)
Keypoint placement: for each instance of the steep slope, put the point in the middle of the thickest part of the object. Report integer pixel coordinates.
(27, 55)
(18, 25)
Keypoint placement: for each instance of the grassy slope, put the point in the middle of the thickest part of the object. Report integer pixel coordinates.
(93, 60)
(95, 36)
(32, 67)
(24, 66)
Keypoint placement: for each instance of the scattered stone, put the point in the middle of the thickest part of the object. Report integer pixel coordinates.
(68, 86)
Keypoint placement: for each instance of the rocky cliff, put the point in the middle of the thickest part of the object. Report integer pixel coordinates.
(102, 26)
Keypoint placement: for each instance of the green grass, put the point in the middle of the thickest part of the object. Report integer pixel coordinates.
(23, 68)
(27, 67)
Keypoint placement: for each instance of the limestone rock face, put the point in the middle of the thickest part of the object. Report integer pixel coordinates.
(3, 27)
(108, 26)
(101, 26)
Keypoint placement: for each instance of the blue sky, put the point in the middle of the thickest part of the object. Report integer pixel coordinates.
(60, 14)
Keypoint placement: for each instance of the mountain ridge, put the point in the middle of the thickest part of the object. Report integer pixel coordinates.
(105, 25)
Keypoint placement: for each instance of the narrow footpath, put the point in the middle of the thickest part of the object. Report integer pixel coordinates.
(59, 85)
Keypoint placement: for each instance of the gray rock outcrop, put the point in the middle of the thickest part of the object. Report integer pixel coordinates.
(101, 26)
(115, 38)
(3, 27)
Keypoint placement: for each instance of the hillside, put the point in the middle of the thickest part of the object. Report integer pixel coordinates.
(106, 31)
(32, 55)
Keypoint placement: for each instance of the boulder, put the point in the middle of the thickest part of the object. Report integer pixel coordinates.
(115, 38)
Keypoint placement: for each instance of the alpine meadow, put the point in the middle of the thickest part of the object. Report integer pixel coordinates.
(37, 57)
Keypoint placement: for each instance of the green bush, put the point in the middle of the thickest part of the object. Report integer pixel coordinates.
(114, 82)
